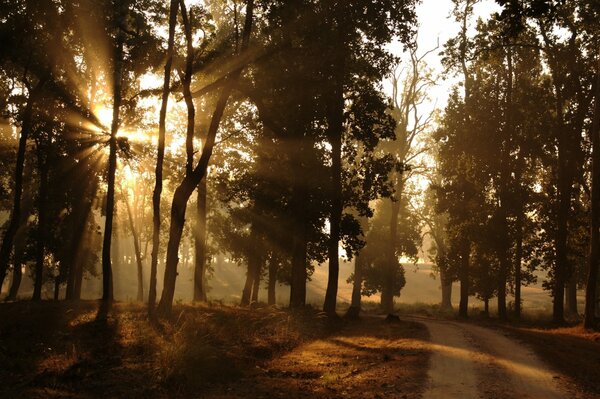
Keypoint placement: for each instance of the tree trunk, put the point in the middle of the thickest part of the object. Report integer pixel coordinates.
(387, 292)
(160, 155)
(16, 282)
(298, 280)
(518, 260)
(591, 292)
(446, 284)
(138, 252)
(107, 282)
(357, 284)
(42, 224)
(256, 285)
(79, 238)
(200, 245)
(387, 299)
(56, 288)
(187, 186)
(463, 308)
(15, 215)
(273, 263)
(486, 307)
(253, 264)
(335, 129)
(571, 296)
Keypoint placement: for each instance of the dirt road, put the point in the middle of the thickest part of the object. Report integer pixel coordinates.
(475, 362)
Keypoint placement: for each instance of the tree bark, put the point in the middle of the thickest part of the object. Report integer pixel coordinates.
(256, 284)
(160, 155)
(335, 131)
(387, 291)
(137, 250)
(299, 259)
(357, 284)
(571, 296)
(200, 245)
(591, 292)
(463, 308)
(15, 215)
(518, 260)
(446, 284)
(107, 281)
(273, 265)
(42, 223)
(186, 188)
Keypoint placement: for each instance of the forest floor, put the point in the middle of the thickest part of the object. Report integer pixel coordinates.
(59, 350)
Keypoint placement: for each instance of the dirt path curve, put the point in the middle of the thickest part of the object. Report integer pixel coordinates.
(475, 362)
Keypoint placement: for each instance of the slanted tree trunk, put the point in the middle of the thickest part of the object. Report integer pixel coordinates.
(591, 291)
(160, 155)
(42, 229)
(189, 183)
(200, 245)
(17, 271)
(138, 252)
(256, 284)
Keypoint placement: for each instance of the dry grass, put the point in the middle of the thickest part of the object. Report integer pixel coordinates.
(59, 349)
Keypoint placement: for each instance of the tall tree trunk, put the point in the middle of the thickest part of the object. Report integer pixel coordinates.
(253, 264)
(79, 238)
(446, 283)
(518, 260)
(591, 291)
(42, 224)
(505, 185)
(138, 252)
(463, 308)
(200, 245)
(160, 155)
(299, 260)
(387, 292)
(256, 284)
(335, 130)
(17, 269)
(15, 215)
(571, 296)
(357, 284)
(189, 183)
(107, 281)
(273, 265)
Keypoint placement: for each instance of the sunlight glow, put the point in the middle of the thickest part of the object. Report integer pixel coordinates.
(104, 115)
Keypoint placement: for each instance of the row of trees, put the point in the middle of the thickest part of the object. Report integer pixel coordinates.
(294, 137)
(513, 152)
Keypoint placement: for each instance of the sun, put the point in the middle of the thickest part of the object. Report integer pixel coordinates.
(104, 115)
